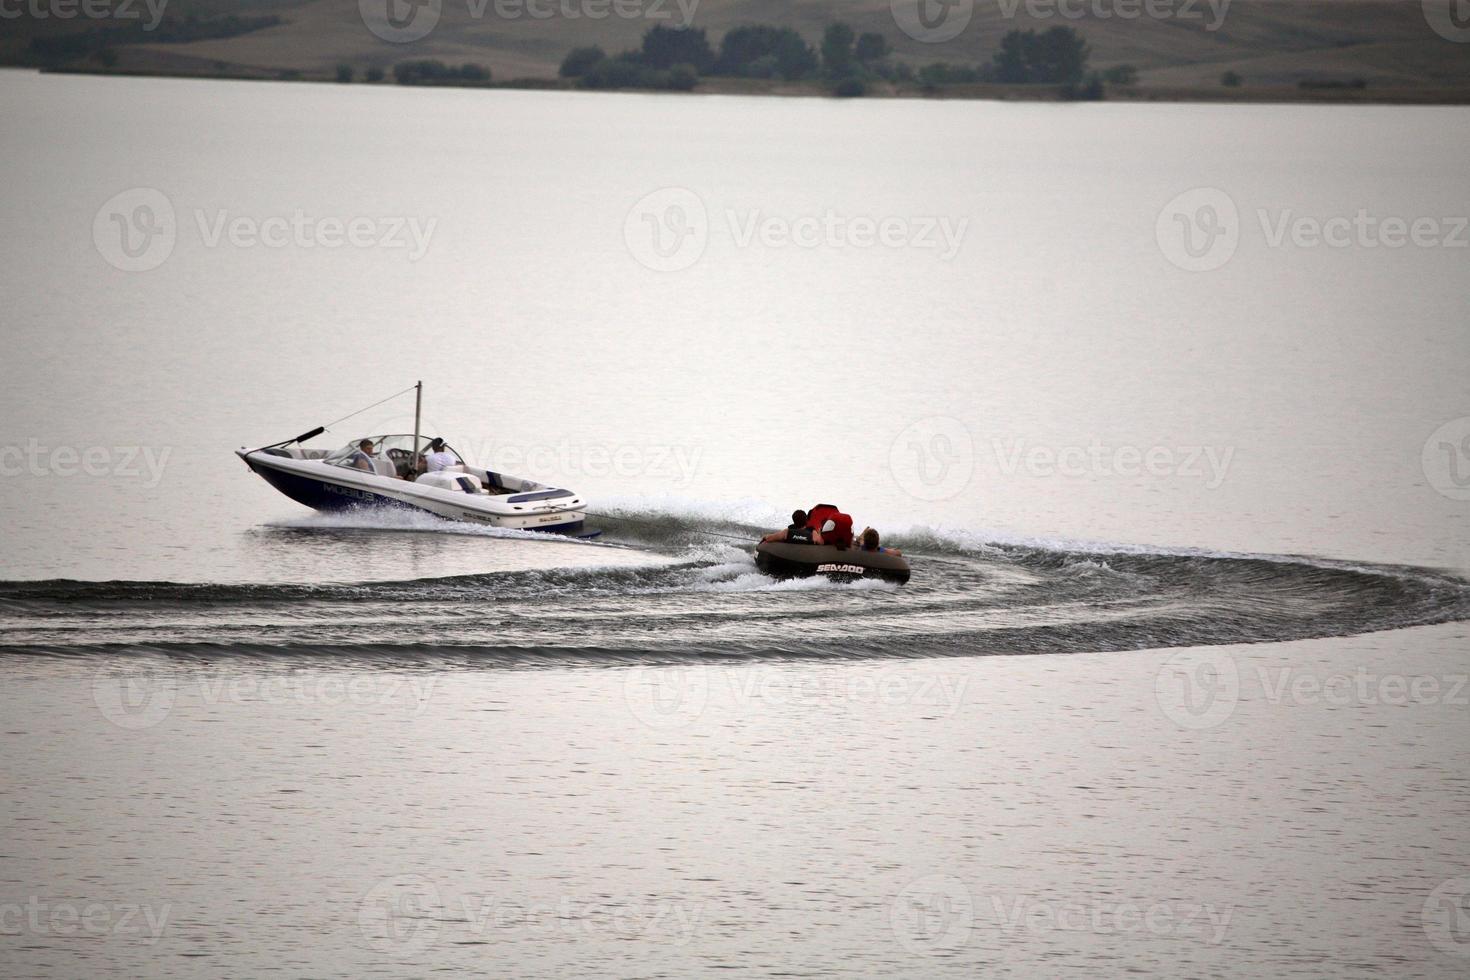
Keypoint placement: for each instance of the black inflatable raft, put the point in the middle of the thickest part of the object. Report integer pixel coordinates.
(786, 560)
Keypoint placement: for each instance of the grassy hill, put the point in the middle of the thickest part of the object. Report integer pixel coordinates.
(1274, 45)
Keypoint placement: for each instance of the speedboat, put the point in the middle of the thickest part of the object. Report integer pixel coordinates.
(334, 479)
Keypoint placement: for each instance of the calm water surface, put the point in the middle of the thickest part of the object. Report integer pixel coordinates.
(1178, 685)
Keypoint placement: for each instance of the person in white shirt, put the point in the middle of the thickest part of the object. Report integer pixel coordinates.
(439, 457)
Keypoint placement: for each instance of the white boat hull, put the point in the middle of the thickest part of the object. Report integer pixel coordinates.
(328, 487)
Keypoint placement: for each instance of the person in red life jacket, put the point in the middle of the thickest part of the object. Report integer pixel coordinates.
(830, 526)
(796, 533)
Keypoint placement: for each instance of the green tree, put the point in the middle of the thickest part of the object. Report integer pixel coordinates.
(580, 60)
(1231, 79)
(683, 78)
(1055, 56)
(344, 73)
(665, 47)
(794, 57)
(1121, 75)
(375, 74)
(872, 47)
(742, 45)
(837, 50)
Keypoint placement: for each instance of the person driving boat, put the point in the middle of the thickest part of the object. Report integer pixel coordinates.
(439, 457)
(363, 457)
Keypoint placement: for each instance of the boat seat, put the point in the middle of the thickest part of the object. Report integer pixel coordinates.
(383, 466)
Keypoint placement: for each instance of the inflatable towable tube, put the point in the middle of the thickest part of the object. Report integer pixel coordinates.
(784, 559)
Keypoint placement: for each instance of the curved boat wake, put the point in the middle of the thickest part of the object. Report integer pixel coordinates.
(704, 599)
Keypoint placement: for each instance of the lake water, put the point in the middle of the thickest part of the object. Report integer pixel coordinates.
(1166, 403)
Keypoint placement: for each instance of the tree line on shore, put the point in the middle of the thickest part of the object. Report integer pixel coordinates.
(676, 58)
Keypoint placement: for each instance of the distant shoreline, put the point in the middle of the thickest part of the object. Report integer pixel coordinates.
(979, 91)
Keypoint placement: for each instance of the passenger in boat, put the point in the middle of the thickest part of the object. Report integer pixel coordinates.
(439, 458)
(869, 542)
(796, 533)
(363, 458)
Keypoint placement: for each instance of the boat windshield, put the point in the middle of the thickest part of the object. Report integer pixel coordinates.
(395, 447)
